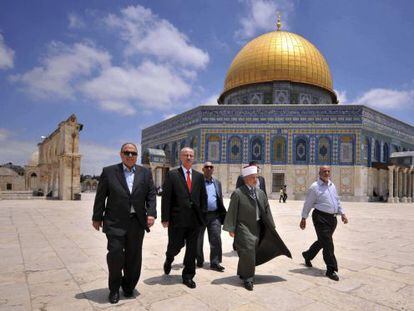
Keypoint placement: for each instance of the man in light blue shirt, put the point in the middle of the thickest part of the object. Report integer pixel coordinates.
(322, 196)
(215, 215)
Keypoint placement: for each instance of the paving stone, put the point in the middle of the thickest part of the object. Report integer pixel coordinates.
(52, 259)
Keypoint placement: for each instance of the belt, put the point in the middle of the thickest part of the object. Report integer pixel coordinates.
(325, 213)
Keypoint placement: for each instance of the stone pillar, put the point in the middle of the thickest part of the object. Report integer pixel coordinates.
(390, 184)
(404, 185)
(410, 186)
(396, 182)
(370, 186)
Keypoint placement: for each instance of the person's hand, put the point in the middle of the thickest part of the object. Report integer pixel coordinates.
(344, 219)
(165, 224)
(150, 221)
(302, 224)
(97, 224)
(232, 234)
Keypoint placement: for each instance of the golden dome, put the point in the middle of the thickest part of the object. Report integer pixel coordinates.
(279, 56)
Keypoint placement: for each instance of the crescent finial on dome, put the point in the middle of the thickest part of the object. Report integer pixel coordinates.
(279, 23)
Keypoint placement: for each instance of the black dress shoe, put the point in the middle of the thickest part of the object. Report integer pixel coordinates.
(167, 267)
(248, 285)
(217, 267)
(307, 261)
(332, 275)
(128, 293)
(189, 283)
(113, 297)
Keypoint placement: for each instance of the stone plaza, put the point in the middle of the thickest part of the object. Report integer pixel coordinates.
(52, 259)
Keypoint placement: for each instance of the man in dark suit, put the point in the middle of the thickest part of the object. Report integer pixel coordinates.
(129, 210)
(183, 208)
(215, 215)
(260, 179)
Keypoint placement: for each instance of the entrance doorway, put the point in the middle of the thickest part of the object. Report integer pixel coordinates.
(278, 181)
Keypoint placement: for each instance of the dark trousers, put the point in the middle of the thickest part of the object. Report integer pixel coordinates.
(325, 225)
(177, 238)
(125, 255)
(214, 237)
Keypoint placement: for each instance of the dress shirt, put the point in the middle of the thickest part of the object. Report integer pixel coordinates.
(211, 195)
(322, 197)
(185, 172)
(129, 177)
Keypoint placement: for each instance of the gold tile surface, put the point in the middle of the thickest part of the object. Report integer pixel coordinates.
(279, 56)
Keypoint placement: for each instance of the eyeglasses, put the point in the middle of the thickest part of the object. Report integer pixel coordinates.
(130, 153)
(209, 167)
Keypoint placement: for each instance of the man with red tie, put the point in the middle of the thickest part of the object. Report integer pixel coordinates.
(183, 209)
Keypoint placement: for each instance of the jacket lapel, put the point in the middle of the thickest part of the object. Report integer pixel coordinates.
(246, 191)
(183, 180)
(121, 177)
(137, 177)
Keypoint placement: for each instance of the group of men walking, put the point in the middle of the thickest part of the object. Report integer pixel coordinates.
(192, 203)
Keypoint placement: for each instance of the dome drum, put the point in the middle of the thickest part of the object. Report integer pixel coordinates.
(277, 93)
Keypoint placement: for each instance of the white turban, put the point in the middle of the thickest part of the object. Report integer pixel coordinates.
(249, 170)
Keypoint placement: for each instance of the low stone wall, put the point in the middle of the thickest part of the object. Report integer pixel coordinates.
(18, 195)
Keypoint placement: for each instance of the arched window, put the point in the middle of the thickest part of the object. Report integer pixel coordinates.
(194, 145)
(346, 150)
(235, 150)
(213, 148)
(367, 151)
(301, 150)
(279, 149)
(256, 149)
(386, 153)
(324, 150)
(174, 154)
(377, 151)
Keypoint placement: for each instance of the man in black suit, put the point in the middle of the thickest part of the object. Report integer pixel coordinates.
(215, 215)
(183, 208)
(129, 210)
(260, 179)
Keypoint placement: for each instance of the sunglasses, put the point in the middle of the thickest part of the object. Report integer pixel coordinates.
(130, 153)
(209, 166)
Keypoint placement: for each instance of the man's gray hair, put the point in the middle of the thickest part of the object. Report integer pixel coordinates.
(132, 144)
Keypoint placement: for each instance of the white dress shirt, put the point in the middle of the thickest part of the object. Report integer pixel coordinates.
(322, 197)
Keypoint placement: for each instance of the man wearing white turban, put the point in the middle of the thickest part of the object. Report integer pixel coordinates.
(250, 222)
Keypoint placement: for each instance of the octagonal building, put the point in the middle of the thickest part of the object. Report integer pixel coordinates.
(278, 107)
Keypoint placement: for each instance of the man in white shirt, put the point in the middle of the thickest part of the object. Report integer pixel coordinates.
(322, 196)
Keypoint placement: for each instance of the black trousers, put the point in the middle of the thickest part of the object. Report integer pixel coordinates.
(214, 237)
(124, 257)
(325, 225)
(177, 238)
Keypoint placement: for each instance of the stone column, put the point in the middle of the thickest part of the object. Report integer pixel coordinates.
(397, 182)
(404, 185)
(410, 186)
(390, 184)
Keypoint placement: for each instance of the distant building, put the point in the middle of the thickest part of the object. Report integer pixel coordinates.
(53, 170)
(278, 107)
(12, 177)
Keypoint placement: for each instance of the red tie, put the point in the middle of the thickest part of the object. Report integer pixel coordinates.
(188, 181)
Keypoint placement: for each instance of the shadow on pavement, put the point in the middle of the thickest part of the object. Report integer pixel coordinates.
(258, 279)
(101, 295)
(164, 280)
(310, 271)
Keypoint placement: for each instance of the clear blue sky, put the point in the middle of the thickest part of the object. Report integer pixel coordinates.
(121, 66)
